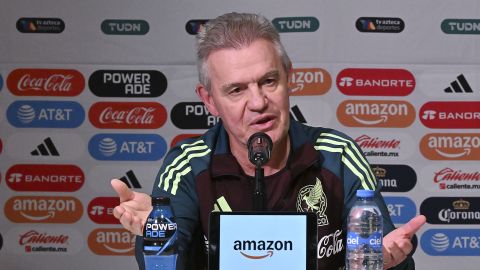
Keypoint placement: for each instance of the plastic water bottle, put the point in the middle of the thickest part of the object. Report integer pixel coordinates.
(364, 234)
(160, 236)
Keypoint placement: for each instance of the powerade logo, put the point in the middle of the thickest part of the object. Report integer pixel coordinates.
(296, 24)
(401, 209)
(380, 25)
(451, 242)
(109, 146)
(40, 25)
(194, 26)
(395, 178)
(125, 27)
(461, 26)
(127, 83)
(192, 115)
(45, 114)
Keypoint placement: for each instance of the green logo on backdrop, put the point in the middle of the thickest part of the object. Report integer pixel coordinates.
(125, 27)
(461, 26)
(296, 24)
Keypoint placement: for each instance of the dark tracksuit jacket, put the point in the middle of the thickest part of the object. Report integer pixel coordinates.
(323, 172)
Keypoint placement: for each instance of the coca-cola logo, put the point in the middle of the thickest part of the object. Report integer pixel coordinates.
(366, 141)
(45, 82)
(128, 115)
(34, 237)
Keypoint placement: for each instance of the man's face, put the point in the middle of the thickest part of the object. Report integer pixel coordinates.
(249, 92)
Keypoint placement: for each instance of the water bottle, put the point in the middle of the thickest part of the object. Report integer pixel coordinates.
(160, 236)
(364, 234)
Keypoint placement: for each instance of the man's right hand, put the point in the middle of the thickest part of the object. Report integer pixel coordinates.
(133, 209)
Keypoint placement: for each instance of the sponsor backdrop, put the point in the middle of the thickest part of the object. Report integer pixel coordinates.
(94, 90)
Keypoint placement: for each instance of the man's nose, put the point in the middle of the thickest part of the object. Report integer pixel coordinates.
(258, 100)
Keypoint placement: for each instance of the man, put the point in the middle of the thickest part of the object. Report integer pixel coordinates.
(244, 70)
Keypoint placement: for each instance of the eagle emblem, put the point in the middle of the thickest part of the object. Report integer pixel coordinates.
(311, 198)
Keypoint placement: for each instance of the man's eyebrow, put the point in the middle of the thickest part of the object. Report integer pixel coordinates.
(274, 73)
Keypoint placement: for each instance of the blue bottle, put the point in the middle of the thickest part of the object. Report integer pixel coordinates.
(160, 236)
(364, 234)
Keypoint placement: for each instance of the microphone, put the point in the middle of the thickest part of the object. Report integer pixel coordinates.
(259, 151)
(259, 148)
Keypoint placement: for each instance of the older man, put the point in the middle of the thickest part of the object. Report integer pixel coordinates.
(243, 70)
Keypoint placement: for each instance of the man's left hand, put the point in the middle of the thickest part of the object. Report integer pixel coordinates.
(397, 244)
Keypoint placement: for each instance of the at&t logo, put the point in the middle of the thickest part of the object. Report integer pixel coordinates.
(127, 147)
(50, 114)
(451, 242)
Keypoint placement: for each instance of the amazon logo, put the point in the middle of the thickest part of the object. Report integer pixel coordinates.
(43, 209)
(261, 249)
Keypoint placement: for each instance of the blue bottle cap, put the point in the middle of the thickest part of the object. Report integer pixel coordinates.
(365, 193)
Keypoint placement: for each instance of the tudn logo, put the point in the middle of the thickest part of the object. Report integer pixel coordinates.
(380, 25)
(451, 146)
(461, 26)
(47, 148)
(194, 26)
(296, 24)
(459, 86)
(253, 246)
(106, 241)
(43, 209)
(309, 81)
(376, 113)
(440, 242)
(125, 27)
(40, 25)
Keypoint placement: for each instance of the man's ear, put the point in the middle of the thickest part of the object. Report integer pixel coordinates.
(206, 98)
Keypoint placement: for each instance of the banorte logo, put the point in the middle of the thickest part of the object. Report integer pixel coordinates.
(450, 114)
(110, 241)
(127, 115)
(376, 113)
(45, 177)
(100, 210)
(309, 82)
(451, 146)
(45, 82)
(43, 209)
(375, 82)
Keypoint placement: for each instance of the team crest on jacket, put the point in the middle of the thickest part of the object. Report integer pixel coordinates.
(311, 198)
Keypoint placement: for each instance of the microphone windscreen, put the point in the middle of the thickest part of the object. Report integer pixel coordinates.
(259, 148)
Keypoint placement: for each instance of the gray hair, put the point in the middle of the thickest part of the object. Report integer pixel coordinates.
(234, 30)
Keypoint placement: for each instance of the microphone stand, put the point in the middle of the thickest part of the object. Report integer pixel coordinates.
(259, 203)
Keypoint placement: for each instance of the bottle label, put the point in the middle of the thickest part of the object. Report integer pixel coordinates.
(155, 230)
(355, 240)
